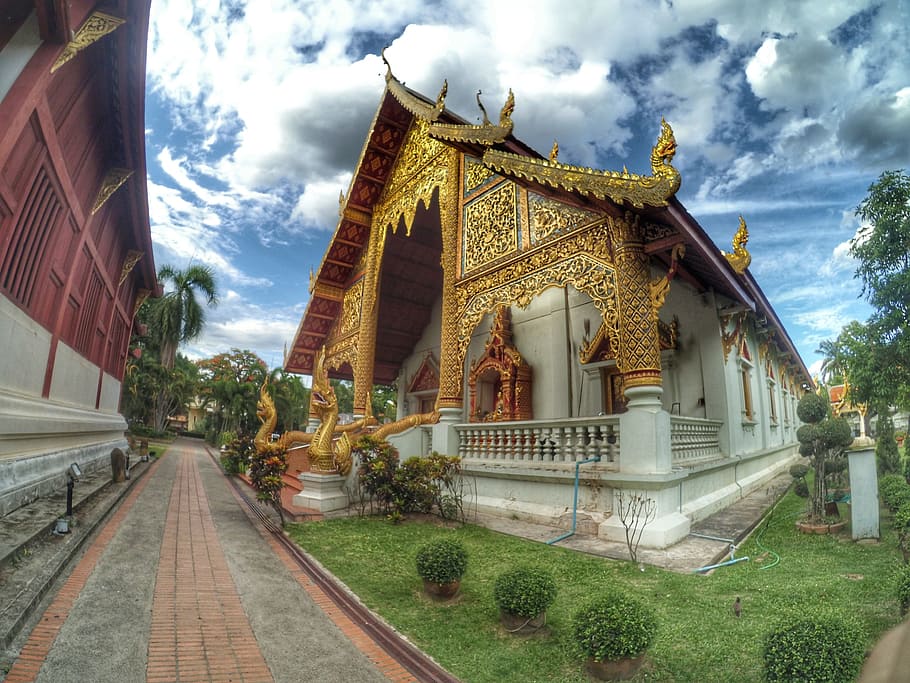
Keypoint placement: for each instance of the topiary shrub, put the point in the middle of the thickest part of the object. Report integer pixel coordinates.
(823, 648)
(894, 490)
(525, 591)
(822, 439)
(902, 527)
(903, 588)
(799, 471)
(442, 561)
(614, 626)
(801, 488)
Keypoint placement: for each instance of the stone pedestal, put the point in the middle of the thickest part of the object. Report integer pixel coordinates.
(863, 489)
(645, 429)
(323, 492)
(445, 438)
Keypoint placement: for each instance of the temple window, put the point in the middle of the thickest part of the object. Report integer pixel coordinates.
(745, 373)
(500, 380)
(614, 402)
(772, 405)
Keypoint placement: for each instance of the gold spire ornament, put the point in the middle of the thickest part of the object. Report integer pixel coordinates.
(740, 258)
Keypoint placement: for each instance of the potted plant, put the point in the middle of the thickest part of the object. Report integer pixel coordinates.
(614, 631)
(822, 439)
(523, 595)
(814, 648)
(441, 564)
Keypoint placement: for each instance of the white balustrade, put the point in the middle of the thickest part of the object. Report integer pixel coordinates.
(694, 439)
(566, 441)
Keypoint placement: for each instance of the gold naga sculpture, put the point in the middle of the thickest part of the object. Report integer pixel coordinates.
(327, 454)
(268, 416)
(487, 133)
(740, 258)
(637, 190)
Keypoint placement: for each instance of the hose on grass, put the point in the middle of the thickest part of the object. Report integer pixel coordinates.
(763, 547)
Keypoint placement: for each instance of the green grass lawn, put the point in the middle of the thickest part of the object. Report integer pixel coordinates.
(699, 638)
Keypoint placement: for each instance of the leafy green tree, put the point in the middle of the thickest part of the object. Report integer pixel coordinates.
(230, 382)
(178, 317)
(883, 252)
(384, 401)
(344, 392)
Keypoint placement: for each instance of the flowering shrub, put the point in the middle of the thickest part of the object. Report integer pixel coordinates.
(415, 485)
(266, 471)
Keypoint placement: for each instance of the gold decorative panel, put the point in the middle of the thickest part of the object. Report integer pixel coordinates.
(112, 181)
(490, 227)
(95, 27)
(475, 174)
(549, 218)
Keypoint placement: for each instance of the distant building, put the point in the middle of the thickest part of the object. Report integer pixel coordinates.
(75, 248)
(537, 314)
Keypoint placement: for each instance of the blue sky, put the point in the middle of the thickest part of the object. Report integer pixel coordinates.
(784, 112)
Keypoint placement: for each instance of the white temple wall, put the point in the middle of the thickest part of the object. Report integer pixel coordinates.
(26, 346)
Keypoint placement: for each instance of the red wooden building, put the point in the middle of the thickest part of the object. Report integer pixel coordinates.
(75, 247)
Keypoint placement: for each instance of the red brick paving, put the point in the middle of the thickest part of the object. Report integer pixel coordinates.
(199, 630)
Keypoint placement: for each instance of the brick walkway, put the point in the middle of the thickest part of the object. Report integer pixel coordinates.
(199, 629)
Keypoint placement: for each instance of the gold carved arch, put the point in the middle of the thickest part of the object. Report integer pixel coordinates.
(582, 261)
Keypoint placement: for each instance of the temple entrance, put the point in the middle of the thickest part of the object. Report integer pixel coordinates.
(614, 402)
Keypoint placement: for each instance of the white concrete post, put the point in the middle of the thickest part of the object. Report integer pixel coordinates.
(864, 503)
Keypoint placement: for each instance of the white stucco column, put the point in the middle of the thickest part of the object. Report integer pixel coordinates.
(644, 433)
(445, 438)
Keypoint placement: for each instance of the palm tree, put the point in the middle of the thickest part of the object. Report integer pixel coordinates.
(178, 317)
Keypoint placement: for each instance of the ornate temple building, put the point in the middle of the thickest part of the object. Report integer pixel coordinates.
(536, 314)
(75, 247)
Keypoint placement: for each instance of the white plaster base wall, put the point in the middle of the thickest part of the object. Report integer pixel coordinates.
(39, 439)
(75, 378)
(110, 394)
(22, 480)
(539, 495)
(713, 487)
(544, 494)
(26, 346)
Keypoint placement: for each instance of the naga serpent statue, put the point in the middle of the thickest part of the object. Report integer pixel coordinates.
(327, 455)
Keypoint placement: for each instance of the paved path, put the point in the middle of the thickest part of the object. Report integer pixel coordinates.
(179, 585)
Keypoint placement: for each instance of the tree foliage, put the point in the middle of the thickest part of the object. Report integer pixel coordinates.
(875, 356)
(177, 317)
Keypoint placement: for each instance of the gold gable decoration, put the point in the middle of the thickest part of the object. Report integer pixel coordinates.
(132, 258)
(98, 25)
(113, 179)
(500, 380)
(426, 378)
(549, 218)
(637, 190)
(490, 226)
(416, 105)
(486, 133)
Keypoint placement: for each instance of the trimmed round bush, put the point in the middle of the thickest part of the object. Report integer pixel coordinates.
(903, 588)
(799, 470)
(614, 627)
(894, 490)
(812, 408)
(443, 560)
(525, 591)
(823, 648)
(801, 488)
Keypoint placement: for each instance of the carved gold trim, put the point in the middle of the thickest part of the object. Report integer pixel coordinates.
(486, 133)
(141, 296)
(490, 226)
(95, 27)
(661, 286)
(357, 215)
(740, 258)
(416, 105)
(132, 258)
(111, 183)
(548, 218)
(732, 338)
(637, 190)
(325, 291)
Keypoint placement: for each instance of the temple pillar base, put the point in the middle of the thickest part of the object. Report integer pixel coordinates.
(445, 438)
(323, 492)
(644, 433)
